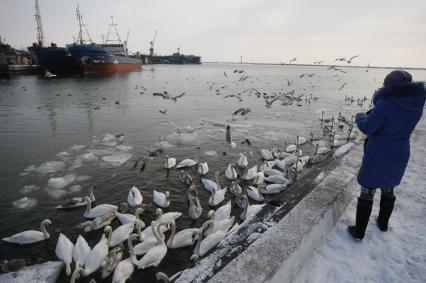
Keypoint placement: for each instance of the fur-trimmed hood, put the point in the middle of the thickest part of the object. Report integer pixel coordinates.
(409, 97)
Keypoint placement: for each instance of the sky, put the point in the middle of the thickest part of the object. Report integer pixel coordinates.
(382, 32)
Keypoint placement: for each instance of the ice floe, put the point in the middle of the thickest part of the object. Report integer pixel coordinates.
(48, 167)
(116, 160)
(61, 182)
(29, 188)
(25, 203)
(75, 189)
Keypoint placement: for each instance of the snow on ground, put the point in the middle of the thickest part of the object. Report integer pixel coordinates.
(398, 255)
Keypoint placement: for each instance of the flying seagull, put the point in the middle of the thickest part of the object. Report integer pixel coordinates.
(163, 111)
(174, 98)
(318, 62)
(343, 85)
(292, 60)
(242, 111)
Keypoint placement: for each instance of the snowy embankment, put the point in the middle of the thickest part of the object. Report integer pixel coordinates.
(398, 255)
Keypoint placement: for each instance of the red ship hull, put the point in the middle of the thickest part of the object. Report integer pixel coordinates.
(108, 67)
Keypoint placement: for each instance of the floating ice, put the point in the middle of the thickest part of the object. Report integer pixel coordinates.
(108, 138)
(124, 147)
(76, 147)
(343, 149)
(76, 164)
(82, 178)
(75, 189)
(47, 272)
(88, 157)
(29, 189)
(25, 203)
(163, 145)
(187, 129)
(61, 182)
(50, 167)
(56, 194)
(63, 155)
(117, 159)
(183, 139)
(103, 152)
(210, 153)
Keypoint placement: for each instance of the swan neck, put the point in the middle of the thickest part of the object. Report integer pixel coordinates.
(156, 232)
(75, 273)
(44, 230)
(68, 268)
(244, 215)
(88, 206)
(198, 247)
(130, 245)
(91, 195)
(172, 236)
(109, 237)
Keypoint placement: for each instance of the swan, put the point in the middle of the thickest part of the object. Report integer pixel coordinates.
(167, 217)
(81, 251)
(129, 218)
(30, 236)
(266, 154)
(321, 150)
(209, 185)
(98, 222)
(276, 179)
(223, 212)
(111, 261)
(96, 256)
(203, 168)
(217, 196)
(77, 201)
(300, 140)
(272, 188)
(206, 244)
(271, 172)
(63, 250)
(230, 172)
(134, 197)
(195, 208)
(98, 210)
(155, 255)
(221, 225)
(259, 178)
(124, 270)
(291, 148)
(298, 166)
(239, 201)
(185, 178)
(266, 165)
(284, 154)
(162, 276)
(186, 163)
(249, 174)
(170, 162)
(254, 193)
(249, 210)
(161, 199)
(242, 161)
(186, 237)
(143, 247)
(235, 188)
(119, 235)
(76, 273)
(335, 140)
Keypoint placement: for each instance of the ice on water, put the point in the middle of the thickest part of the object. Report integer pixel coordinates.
(25, 203)
(61, 182)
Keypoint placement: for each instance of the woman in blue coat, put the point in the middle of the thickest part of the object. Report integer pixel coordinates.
(398, 106)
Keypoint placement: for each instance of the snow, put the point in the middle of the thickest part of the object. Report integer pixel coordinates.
(61, 182)
(343, 149)
(25, 203)
(46, 272)
(398, 255)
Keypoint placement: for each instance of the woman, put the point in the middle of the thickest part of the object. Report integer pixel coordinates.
(398, 106)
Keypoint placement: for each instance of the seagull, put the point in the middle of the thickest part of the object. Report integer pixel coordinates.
(340, 59)
(350, 59)
(308, 75)
(318, 62)
(174, 98)
(292, 60)
(163, 111)
(336, 69)
(343, 85)
(289, 83)
(224, 73)
(242, 111)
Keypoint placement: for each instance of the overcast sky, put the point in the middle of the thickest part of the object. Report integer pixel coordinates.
(382, 32)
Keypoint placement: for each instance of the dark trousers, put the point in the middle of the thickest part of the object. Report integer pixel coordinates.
(368, 193)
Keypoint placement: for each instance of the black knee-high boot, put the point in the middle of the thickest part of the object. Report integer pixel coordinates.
(363, 212)
(386, 208)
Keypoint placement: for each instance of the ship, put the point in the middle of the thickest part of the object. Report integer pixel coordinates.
(117, 59)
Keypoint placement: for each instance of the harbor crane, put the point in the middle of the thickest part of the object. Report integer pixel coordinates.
(151, 49)
(40, 34)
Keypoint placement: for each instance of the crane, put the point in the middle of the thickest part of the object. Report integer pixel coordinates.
(40, 34)
(151, 49)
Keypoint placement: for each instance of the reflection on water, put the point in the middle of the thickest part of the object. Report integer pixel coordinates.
(40, 118)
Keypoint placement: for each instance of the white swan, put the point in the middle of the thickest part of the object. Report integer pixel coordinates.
(195, 208)
(134, 197)
(63, 250)
(259, 178)
(170, 162)
(98, 210)
(300, 140)
(223, 212)
(217, 196)
(284, 154)
(167, 217)
(249, 210)
(155, 255)
(277, 179)
(272, 188)
(266, 154)
(77, 201)
(186, 237)
(242, 161)
(143, 247)
(98, 222)
(161, 199)
(266, 165)
(81, 251)
(249, 174)
(205, 245)
(96, 256)
(271, 172)
(119, 235)
(230, 172)
(30, 236)
(111, 261)
(291, 148)
(186, 163)
(321, 150)
(203, 168)
(76, 273)
(209, 185)
(129, 218)
(254, 193)
(124, 270)
(221, 225)
(235, 188)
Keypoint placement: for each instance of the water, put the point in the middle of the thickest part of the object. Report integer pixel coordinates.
(40, 118)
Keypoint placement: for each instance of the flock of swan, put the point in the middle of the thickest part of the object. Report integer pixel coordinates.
(147, 244)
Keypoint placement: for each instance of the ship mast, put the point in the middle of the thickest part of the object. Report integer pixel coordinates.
(114, 26)
(81, 25)
(40, 34)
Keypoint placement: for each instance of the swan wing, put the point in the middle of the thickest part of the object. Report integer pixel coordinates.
(81, 250)
(123, 271)
(209, 185)
(211, 241)
(64, 248)
(96, 256)
(125, 218)
(26, 237)
(121, 233)
(223, 212)
(145, 246)
(153, 257)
